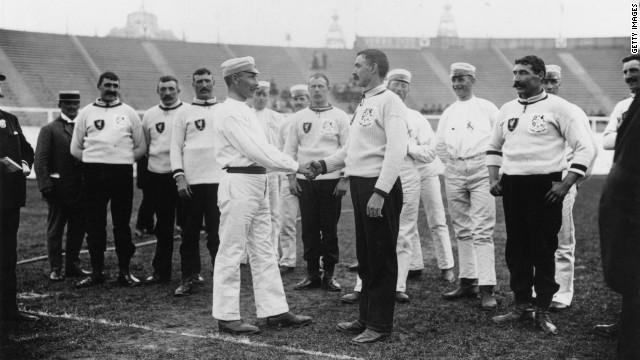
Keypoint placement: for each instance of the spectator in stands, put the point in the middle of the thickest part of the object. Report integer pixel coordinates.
(631, 75)
(463, 133)
(197, 175)
(16, 158)
(529, 142)
(318, 131)
(108, 139)
(60, 182)
(157, 126)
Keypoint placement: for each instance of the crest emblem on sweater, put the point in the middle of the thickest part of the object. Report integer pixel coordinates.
(160, 127)
(328, 127)
(200, 124)
(3, 124)
(121, 122)
(99, 124)
(306, 127)
(512, 124)
(538, 125)
(367, 116)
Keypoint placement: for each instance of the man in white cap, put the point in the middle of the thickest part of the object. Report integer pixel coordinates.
(316, 132)
(270, 121)
(59, 177)
(631, 75)
(244, 153)
(289, 202)
(157, 125)
(565, 255)
(197, 175)
(463, 133)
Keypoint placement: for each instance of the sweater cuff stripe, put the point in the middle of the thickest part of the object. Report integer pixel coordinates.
(579, 167)
(177, 172)
(324, 166)
(380, 192)
(494, 152)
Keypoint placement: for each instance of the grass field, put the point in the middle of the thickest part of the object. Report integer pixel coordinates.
(110, 322)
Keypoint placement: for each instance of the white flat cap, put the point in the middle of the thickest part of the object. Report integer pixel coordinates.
(300, 89)
(461, 69)
(264, 84)
(241, 64)
(399, 75)
(554, 69)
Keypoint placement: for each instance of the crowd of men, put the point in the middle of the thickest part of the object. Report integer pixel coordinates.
(246, 172)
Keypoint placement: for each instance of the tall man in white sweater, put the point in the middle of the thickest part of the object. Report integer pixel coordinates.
(108, 139)
(528, 142)
(243, 152)
(197, 175)
(372, 159)
(314, 133)
(289, 203)
(157, 125)
(463, 133)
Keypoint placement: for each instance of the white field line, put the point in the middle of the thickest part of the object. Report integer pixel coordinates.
(229, 339)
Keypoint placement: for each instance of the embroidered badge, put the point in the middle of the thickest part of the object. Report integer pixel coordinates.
(160, 127)
(200, 124)
(306, 127)
(512, 124)
(3, 124)
(329, 127)
(99, 124)
(538, 125)
(367, 116)
(121, 122)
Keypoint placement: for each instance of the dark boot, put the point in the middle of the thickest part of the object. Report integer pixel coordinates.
(488, 298)
(312, 280)
(467, 288)
(543, 322)
(522, 312)
(329, 283)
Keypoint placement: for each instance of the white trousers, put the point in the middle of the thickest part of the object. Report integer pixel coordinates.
(243, 200)
(273, 181)
(566, 250)
(290, 207)
(473, 215)
(431, 196)
(408, 228)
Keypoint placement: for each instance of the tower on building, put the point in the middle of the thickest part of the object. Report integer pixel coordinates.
(335, 37)
(447, 27)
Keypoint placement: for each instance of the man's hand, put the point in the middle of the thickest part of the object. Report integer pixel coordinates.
(374, 206)
(557, 193)
(341, 187)
(316, 167)
(48, 194)
(495, 188)
(307, 171)
(294, 187)
(184, 191)
(25, 169)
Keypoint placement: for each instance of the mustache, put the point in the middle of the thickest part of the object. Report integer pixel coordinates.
(111, 93)
(630, 80)
(518, 84)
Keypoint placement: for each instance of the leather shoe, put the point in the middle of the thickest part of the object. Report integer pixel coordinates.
(608, 331)
(448, 275)
(401, 297)
(467, 288)
(329, 283)
(237, 327)
(156, 279)
(520, 313)
(184, 289)
(90, 281)
(543, 322)
(414, 274)
(353, 267)
(308, 283)
(75, 271)
(197, 279)
(351, 327)
(286, 269)
(55, 275)
(128, 280)
(558, 307)
(488, 301)
(369, 336)
(288, 319)
(352, 298)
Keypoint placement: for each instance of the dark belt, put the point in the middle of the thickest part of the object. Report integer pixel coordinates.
(246, 170)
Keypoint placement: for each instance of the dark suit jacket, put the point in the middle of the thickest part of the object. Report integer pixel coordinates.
(13, 144)
(53, 156)
(619, 215)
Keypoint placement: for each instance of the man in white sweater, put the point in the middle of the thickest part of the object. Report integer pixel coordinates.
(372, 160)
(197, 175)
(243, 152)
(529, 143)
(631, 74)
(463, 133)
(157, 125)
(314, 133)
(108, 139)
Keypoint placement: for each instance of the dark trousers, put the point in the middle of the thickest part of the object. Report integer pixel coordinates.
(104, 183)
(376, 240)
(203, 203)
(532, 236)
(145, 221)
(629, 328)
(61, 214)
(320, 212)
(9, 222)
(163, 196)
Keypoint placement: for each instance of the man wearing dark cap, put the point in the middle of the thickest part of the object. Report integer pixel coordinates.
(60, 182)
(16, 158)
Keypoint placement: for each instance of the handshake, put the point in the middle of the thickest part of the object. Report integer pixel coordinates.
(311, 169)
